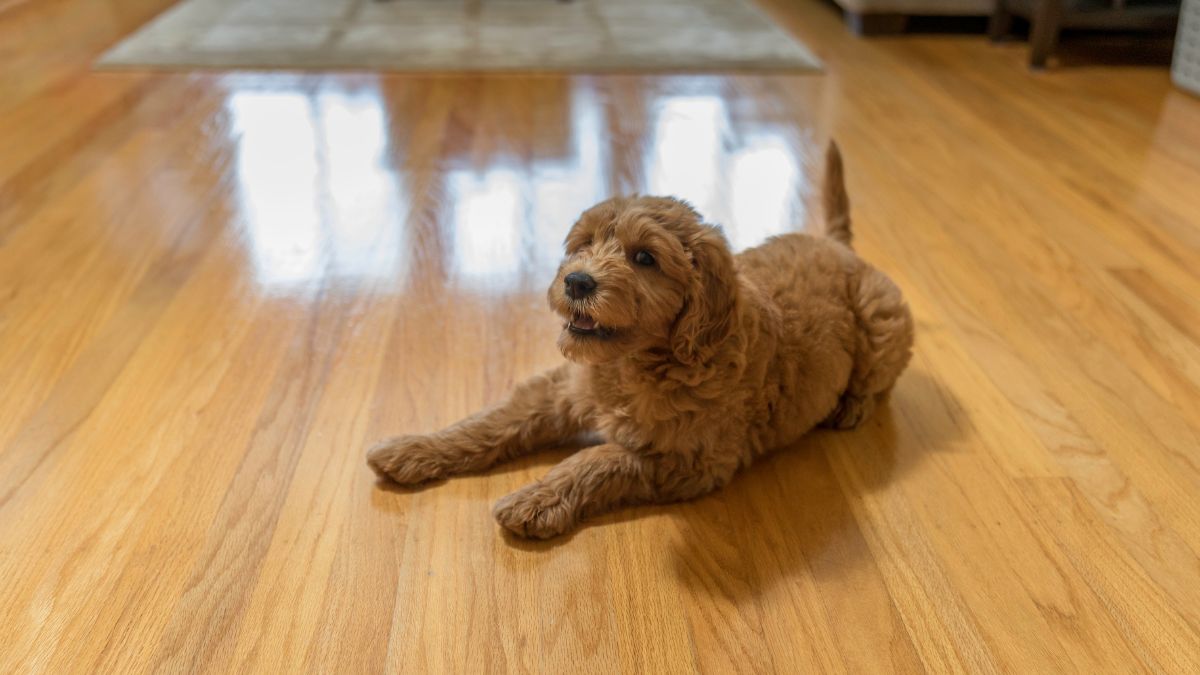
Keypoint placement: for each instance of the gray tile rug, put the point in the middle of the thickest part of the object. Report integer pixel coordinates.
(464, 35)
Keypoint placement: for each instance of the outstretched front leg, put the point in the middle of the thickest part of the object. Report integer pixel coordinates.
(539, 413)
(601, 478)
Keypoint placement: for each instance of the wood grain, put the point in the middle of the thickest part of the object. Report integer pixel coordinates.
(216, 289)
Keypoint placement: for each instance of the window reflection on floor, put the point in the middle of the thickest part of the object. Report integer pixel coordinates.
(563, 189)
(750, 183)
(686, 150)
(318, 197)
(321, 201)
(489, 215)
(509, 221)
(766, 191)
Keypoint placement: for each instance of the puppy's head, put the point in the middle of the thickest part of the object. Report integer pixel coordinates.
(643, 273)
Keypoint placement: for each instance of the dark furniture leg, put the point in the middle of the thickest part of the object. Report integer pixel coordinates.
(1000, 23)
(1043, 34)
(876, 24)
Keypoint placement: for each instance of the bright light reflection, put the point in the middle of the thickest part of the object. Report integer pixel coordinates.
(764, 195)
(687, 149)
(563, 189)
(764, 192)
(488, 215)
(277, 175)
(317, 196)
(509, 223)
(368, 205)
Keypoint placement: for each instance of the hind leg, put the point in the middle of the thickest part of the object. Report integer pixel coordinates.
(885, 336)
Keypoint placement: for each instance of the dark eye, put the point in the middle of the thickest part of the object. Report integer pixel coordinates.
(643, 258)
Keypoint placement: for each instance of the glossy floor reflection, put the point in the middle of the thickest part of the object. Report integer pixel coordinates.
(216, 289)
(326, 176)
(316, 190)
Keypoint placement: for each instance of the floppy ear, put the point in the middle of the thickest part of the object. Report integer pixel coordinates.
(707, 315)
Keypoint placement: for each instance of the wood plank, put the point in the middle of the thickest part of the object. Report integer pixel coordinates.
(217, 289)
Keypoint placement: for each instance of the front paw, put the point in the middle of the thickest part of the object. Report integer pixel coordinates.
(534, 511)
(408, 460)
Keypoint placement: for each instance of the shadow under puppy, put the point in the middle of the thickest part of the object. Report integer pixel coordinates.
(688, 361)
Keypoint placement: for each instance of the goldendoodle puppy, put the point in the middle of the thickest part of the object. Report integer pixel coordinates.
(687, 361)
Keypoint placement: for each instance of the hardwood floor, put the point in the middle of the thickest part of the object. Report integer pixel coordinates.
(217, 289)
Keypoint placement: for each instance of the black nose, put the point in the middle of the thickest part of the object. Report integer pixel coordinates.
(579, 284)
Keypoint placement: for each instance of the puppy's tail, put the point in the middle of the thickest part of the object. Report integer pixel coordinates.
(836, 201)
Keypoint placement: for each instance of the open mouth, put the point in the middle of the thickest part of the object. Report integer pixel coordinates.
(582, 324)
